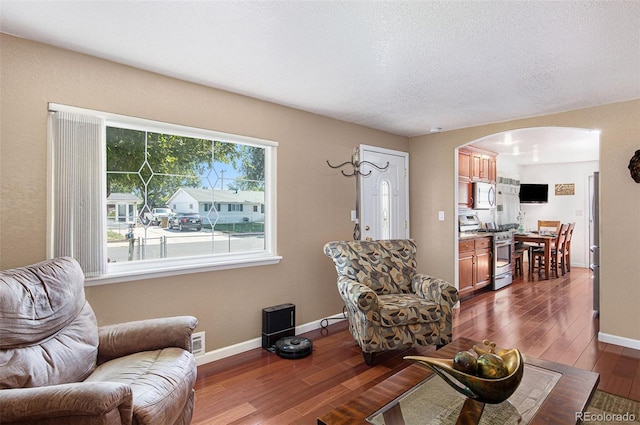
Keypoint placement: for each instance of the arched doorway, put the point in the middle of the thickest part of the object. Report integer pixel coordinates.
(562, 156)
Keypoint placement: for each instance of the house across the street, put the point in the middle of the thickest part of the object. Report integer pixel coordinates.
(123, 207)
(228, 206)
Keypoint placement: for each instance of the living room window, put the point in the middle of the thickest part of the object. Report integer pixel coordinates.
(160, 190)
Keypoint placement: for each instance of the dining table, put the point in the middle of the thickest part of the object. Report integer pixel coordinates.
(542, 239)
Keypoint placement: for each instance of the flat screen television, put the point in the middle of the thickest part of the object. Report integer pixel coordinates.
(534, 193)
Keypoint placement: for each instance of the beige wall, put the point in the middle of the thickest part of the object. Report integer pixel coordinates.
(314, 201)
(432, 188)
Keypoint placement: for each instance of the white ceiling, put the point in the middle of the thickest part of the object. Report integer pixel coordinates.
(402, 67)
(544, 145)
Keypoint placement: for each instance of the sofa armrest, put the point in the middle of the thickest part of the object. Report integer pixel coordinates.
(356, 295)
(435, 289)
(144, 335)
(76, 403)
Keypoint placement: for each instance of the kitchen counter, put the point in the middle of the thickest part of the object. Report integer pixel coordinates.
(463, 236)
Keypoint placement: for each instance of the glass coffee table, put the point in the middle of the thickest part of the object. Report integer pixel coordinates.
(550, 393)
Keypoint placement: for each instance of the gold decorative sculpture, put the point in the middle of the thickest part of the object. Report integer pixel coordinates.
(481, 389)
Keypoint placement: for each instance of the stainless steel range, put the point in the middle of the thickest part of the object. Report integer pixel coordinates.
(502, 248)
(502, 258)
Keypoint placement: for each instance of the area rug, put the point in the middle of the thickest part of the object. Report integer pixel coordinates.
(607, 408)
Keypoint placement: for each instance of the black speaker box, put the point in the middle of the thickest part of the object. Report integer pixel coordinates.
(278, 322)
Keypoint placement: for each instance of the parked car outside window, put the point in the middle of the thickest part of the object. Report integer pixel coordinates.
(157, 214)
(184, 221)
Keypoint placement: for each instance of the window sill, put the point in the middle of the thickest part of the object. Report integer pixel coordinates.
(140, 273)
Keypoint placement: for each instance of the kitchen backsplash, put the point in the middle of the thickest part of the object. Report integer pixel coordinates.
(507, 205)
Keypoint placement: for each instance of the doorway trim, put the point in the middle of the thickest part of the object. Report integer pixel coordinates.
(401, 221)
(515, 132)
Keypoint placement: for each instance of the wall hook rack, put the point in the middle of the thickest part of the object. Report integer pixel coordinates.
(356, 165)
(356, 171)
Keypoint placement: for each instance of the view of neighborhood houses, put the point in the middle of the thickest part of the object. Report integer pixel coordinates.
(175, 196)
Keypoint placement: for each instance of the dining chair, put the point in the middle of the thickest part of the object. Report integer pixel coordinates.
(544, 226)
(557, 254)
(566, 260)
(550, 226)
(518, 258)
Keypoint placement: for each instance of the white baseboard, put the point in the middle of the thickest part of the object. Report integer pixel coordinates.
(241, 347)
(619, 340)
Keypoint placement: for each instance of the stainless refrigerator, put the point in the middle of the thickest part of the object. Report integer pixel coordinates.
(594, 239)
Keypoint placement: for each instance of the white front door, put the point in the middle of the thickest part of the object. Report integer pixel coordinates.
(384, 195)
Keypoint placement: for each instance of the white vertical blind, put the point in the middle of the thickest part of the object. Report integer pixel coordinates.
(77, 190)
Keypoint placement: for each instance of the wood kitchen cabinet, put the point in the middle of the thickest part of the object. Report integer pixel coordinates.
(493, 171)
(476, 165)
(465, 267)
(464, 165)
(474, 264)
(483, 167)
(465, 194)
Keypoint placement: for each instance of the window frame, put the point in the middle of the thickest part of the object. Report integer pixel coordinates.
(123, 272)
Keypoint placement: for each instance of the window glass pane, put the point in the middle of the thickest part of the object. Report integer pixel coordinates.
(385, 209)
(171, 196)
(125, 149)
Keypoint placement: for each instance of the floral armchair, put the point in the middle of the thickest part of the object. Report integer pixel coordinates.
(389, 305)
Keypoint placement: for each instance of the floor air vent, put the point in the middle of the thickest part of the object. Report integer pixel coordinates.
(197, 341)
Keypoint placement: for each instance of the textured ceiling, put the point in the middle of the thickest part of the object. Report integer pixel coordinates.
(401, 67)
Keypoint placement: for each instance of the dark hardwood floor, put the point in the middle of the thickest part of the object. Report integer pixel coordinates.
(551, 320)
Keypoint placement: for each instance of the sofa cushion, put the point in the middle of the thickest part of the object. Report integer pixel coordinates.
(48, 332)
(161, 382)
(406, 309)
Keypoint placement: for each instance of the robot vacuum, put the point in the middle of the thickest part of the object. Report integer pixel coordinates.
(294, 347)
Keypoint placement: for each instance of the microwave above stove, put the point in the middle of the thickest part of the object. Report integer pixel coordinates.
(484, 196)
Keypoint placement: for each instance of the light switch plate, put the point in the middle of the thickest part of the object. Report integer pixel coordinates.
(441, 215)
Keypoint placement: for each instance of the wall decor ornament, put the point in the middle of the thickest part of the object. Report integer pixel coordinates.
(634, 167)
(356, 171)
(565, 189)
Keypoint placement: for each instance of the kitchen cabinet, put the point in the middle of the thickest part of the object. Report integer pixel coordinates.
(483, 167)
(464, 165)
(474, 264)
(476, 165)
(493, 171)
(465, 194)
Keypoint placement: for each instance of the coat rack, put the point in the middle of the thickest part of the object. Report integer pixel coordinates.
(356, 171)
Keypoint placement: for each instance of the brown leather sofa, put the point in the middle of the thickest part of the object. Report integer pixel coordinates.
(58, 367)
